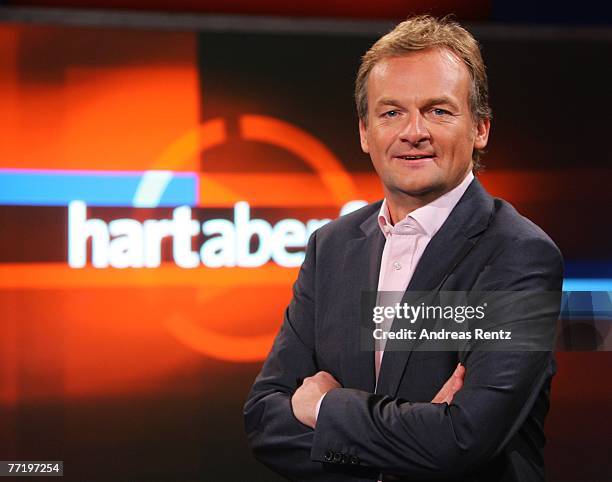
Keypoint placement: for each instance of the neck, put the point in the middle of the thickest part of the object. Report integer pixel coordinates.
(401, 204)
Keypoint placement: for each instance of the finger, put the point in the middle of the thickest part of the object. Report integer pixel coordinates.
(459, 371)
(456, 385)
(458, 376)
(451, 387)
(326, 377)
(444, 394)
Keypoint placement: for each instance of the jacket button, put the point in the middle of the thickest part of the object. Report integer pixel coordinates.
(354, 460)
(337, 457)
(329, 455)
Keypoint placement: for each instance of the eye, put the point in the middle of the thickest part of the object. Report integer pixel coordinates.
(440, 112)
(391, 113)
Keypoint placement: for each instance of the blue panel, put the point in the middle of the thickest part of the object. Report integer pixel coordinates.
(181, 191)
(58, 188)
(586, 305)
(587, 284)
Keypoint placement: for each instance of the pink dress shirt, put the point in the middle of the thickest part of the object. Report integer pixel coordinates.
(404, 246)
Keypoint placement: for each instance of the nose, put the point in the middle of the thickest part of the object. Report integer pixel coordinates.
(415, 131)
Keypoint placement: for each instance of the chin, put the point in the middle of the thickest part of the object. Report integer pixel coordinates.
(419, 187)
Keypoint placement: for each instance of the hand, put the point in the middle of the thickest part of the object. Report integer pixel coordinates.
(452, 386)
(305, 398)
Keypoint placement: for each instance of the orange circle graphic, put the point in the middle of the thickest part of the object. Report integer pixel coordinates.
(195, 333)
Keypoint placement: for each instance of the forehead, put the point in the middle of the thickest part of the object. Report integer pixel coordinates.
(423, 74)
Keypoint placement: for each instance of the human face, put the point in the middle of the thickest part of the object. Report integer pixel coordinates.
(420, 132)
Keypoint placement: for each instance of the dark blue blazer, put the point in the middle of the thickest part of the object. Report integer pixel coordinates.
(493, 429)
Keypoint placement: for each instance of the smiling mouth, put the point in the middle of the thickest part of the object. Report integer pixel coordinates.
(416, 159)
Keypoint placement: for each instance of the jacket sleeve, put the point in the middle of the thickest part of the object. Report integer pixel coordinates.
(425, 440)
(277, 438)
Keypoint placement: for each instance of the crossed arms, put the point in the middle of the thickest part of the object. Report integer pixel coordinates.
(392, 435)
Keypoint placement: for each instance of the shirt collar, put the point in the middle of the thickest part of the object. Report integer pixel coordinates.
(429, 218)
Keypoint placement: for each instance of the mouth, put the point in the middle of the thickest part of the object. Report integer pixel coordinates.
(416, 159)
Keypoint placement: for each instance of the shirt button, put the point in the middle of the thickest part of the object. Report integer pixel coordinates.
(397, 266)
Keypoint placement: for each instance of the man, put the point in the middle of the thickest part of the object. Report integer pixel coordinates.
(323, 408)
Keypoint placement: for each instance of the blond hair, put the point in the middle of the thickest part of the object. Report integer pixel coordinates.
(419, 33)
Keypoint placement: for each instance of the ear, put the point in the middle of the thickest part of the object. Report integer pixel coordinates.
(363, 136)
(482, 133)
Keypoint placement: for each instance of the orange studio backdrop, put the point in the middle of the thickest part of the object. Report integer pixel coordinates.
(157, 189)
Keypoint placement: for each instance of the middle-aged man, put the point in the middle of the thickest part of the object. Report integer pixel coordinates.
(323, 408)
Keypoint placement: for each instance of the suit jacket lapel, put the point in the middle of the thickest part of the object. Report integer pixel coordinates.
(361, 267)
(446, 249)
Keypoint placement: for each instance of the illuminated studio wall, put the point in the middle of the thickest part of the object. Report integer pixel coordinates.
(156, 192)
